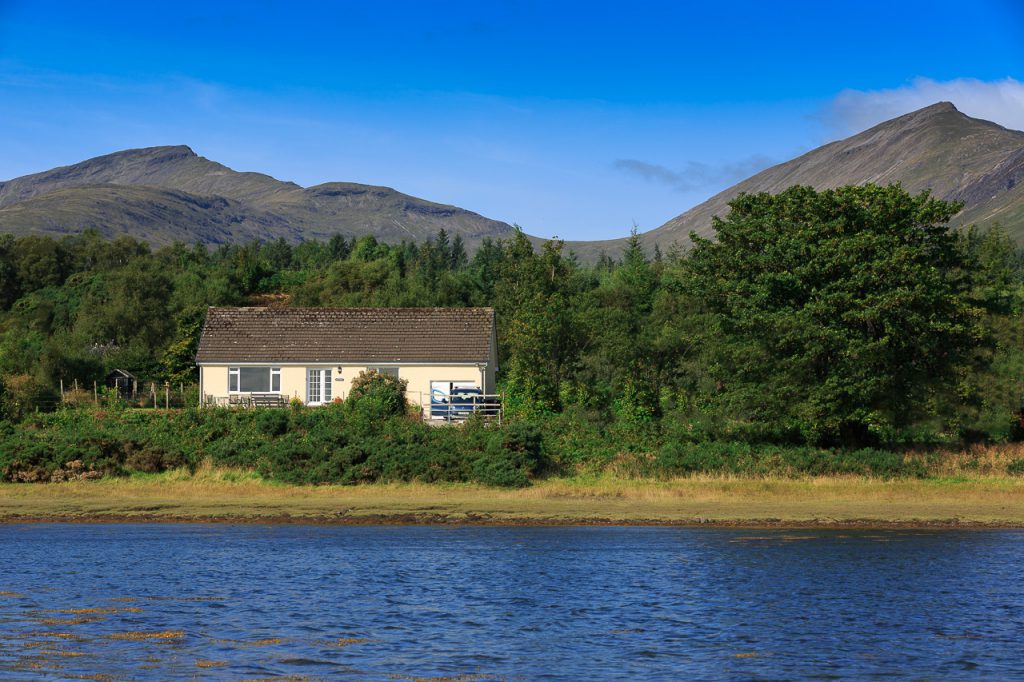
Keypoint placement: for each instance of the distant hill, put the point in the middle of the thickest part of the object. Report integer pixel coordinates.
(166, 194)
(937, 148)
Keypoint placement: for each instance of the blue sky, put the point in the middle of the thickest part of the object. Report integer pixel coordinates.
(570, 119)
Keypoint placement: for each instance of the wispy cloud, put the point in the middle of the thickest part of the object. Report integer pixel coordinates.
(1001, 101)
(695, 174)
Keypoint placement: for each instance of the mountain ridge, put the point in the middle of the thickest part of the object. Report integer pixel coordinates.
(936, 148)
(170, 193)
(170, 182)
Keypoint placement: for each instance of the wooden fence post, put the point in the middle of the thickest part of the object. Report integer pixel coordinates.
(95, 394)
(167, 395)
(152, 387)
(62, 389)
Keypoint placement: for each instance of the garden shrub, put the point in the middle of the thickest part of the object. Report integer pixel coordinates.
(765, 460)
(378, 395)
(23, 395)
(1015, 468)
(499, 472)
(349, 444)
(513, 454)
(272, 422)
(152, 459)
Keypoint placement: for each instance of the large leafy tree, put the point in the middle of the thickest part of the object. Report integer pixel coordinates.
(623, 362)
(537, 323)
(836, 314)
(9, 284)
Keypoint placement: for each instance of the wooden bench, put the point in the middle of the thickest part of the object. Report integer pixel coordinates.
(267, 400)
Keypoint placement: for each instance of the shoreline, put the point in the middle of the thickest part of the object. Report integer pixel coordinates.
(437, 520)
(226, 496)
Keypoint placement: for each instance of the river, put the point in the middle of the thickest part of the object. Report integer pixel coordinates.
(184, 601)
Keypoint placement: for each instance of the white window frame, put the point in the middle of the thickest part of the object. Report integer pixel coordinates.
(324, 385)
(234, 374)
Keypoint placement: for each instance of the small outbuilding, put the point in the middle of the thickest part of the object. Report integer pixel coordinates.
(312, 354)
(123, 381)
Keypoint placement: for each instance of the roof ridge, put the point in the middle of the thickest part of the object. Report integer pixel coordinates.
(319, 334)
(278, 308)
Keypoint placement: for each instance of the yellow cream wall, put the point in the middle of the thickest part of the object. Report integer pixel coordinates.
(215, 380)
(419, 378)
(293, 379)
(293, 382)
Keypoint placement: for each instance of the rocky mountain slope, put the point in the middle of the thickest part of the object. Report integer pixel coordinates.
(164, 194)
(937, 148)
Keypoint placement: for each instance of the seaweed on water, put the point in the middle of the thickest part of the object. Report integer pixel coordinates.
(210, 664)
(348, 641)
(68, 621)
(145, 636)
(470, 677)
(97, 609)
(58, 635)
(186, 598)
(268, 641)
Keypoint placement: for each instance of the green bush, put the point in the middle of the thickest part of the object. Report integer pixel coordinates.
(24, 395)
(522, 443)
(499, 472)
(1015, 468)
(272, 422)
(510, 457)
(378, 395)
(348, 445)
(764, 460)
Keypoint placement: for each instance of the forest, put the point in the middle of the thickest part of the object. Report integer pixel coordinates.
(831, 321)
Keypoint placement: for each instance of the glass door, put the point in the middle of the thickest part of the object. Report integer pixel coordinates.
(318, 387)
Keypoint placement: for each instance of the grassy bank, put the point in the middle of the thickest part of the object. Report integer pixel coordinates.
(357, 463)
(226, 495)
(359, 443)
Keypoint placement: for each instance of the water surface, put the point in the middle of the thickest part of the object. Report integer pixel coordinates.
(178, 601)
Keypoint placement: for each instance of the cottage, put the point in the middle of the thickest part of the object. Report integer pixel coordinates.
(279, 354)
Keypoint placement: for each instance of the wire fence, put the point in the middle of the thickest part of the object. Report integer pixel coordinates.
(136, 394)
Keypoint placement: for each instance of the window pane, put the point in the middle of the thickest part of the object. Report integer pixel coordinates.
(314, 386)
(275, 382)
(328, 388)
(254, 379)
(386, 371)
(233, 380)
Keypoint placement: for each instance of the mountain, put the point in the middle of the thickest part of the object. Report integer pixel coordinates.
(166, 194)
(937, 148)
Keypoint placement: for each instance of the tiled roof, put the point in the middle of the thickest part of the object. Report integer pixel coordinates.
(346, 335)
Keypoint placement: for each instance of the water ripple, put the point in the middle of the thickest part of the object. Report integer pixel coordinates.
(169, 602)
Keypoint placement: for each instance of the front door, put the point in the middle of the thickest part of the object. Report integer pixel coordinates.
(318, 387)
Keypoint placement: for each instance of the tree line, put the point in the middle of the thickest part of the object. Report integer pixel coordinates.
(853, 316)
